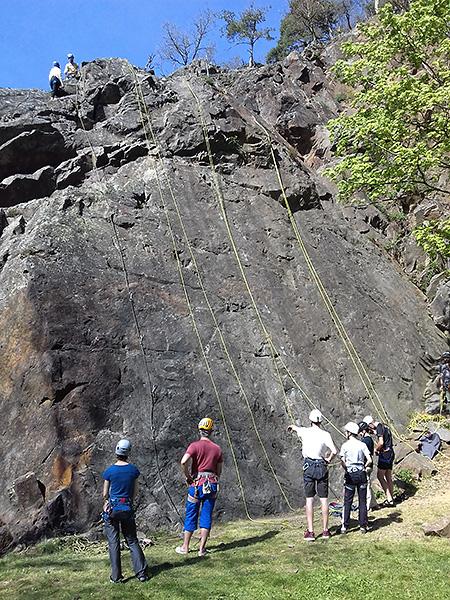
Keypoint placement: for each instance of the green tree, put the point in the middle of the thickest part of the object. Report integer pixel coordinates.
(244, 28)
(313, 21)
(395, 141)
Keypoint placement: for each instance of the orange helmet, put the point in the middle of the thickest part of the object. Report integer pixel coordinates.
(206, 424)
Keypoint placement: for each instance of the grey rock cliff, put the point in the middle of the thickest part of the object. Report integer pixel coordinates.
(115, 252)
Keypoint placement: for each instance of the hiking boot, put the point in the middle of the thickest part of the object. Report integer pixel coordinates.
(309, 536)
(326, 534)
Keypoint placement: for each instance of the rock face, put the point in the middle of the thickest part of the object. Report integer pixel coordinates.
(149, 278)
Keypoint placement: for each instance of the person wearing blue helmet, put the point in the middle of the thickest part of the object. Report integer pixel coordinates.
(55, 79)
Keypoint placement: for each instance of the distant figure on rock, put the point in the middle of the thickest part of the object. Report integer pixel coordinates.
(55, 79)
(355, 459)
(119, 491)
(71, 70)
(444, 378)
(364, 432)
(202, 480)
(385, 452)
(318, 451)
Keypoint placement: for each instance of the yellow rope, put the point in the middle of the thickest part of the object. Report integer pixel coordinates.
(275, 354)
(141, 100)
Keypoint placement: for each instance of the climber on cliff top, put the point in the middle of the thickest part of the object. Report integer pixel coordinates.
(318, 451)
(55, 79)
(202, 480)
(71, 70)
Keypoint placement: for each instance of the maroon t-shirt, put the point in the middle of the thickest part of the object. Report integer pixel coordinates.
(205, 456)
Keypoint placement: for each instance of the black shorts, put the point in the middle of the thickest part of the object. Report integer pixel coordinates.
(386, 460)
(315, 477)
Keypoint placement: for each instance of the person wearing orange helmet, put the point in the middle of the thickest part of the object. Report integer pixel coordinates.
(202, 468)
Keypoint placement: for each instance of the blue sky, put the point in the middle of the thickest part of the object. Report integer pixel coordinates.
(34, 33)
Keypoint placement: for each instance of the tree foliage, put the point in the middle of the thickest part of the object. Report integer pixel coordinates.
(396, 141)
(181, 47)
(244, 28)
(315, 21)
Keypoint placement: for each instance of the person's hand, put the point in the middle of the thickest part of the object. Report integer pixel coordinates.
(189, 480)
(289, 428)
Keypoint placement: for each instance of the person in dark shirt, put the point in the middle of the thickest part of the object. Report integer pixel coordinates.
(202, 479)
(386, 456)
(444, 378)
(367, 439)
(119, 490)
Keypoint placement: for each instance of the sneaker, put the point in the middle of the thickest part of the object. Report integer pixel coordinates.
(309, 536)
(143, 578)
(115, 580)
(363, 530)
(343, 529)
(326, 534)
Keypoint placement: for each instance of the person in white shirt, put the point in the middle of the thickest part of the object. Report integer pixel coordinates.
(355, 458)
(55, 79)
(318, 451)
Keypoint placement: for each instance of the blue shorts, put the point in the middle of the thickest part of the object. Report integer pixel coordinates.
(196, 498)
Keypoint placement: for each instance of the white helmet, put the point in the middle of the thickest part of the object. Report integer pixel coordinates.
(123, 448)
(368, 419)
(70, 55)
(352, 427)
(315, 416)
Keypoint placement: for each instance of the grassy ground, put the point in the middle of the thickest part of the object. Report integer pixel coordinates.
(257, 561)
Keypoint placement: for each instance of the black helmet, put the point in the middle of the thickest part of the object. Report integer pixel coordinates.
(446, 355)
(362, 426)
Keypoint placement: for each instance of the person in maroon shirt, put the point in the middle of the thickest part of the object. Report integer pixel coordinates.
(202, 479)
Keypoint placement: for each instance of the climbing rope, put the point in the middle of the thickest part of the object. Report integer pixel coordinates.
(151, 388)
(275, 354)
(141, 103)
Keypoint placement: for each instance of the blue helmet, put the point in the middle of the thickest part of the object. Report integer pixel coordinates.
(55, 63)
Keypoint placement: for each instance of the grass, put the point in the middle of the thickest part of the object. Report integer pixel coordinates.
(248, 561)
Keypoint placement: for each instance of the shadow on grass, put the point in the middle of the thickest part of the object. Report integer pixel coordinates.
(165, 566)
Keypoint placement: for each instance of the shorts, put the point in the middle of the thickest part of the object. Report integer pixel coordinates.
(315, 478)
(386, 460)
(197, 500)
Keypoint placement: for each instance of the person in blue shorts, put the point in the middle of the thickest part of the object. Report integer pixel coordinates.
(202, 478)
(119, 491)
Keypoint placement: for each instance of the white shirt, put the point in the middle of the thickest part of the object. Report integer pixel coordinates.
(315, 442)
(55, 72)
(354, 453)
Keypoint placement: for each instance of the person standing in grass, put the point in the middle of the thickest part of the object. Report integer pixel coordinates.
(202, 478)
(385, 453)
(366, 439)
(318, 451)
(119, 491)
(355, 458)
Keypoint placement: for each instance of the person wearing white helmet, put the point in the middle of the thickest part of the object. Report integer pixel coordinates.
(55, 79)
(318, 451)
(119, 491)
(385, 452)
(202, 479)
(71, 70)
(355, 459)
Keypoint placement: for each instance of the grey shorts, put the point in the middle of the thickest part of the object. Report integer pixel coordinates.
(315, 477)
